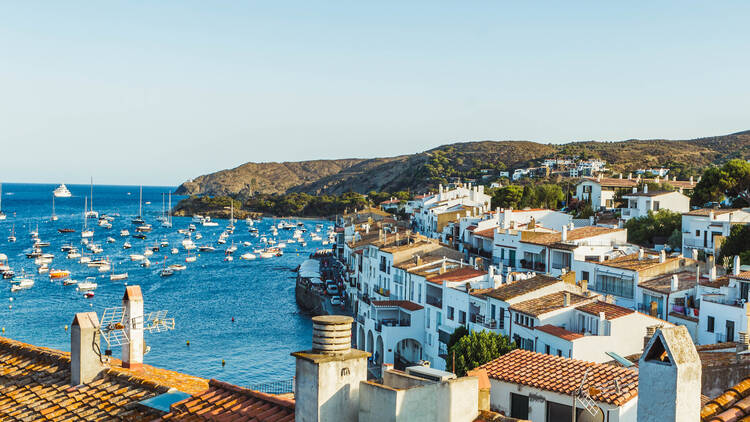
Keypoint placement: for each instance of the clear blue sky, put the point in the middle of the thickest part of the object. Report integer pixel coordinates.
(156, 92)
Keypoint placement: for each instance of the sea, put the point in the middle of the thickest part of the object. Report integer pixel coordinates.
(236, 321)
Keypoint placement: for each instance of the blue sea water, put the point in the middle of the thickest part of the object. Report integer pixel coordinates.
(258, 294)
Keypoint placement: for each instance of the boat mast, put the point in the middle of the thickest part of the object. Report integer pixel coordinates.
(140, 202)
(53, 205)
(92, 193)
(85, 207)
(169, 211)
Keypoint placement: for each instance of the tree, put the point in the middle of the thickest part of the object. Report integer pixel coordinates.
(457, 335)
(732, 180)
(737, 243)
(507, 197)
(476, 349)
(528, 199)
(548, 196)
(662, 223)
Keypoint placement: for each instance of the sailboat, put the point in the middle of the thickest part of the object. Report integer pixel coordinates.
(162, 218)
(114, 277)
(91, 213)
(54, 217)
(138, 220)
(86, 232)
(2, 216)
(166, 272)
(168, 218)
(12, 237)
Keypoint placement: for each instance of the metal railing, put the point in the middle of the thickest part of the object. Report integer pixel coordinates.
(723, 300)
(722, 338)
(431, 300)
(275, 387)
(483, 321)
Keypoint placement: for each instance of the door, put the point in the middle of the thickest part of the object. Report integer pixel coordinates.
(512, 257)
(730, 331)
(519, 406)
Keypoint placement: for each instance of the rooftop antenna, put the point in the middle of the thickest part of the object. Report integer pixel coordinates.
(113, 324)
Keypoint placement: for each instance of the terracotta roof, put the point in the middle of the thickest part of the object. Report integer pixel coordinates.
(488, 233)
(704, 212)
(472, 227)
(35, 385)
(459, 274)
(611, 311)
(390, 201)
(612, 182)
(521, 287)
(559, 332)
(744, 275)
(663, 283)
(732, 405)
(575, 234)
(227, 402)
(404, 304)
(563, 375)
(631, 262)
(685, 184)
(548, 303)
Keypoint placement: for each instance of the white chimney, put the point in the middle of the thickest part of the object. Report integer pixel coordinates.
(640, 254)
(564, 234)
(132, 353)
(675, 283)
(736, 265)
(712, 273)
(645, 188)
(85, 363)
(711, 215)
(694, 254)
(662, 256)
(602, 321)
(566, 299)
(669, 378)
(327, 378)
(635, 189)
(691, 179)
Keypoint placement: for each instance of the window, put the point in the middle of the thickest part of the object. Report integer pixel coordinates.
(585, 275)
(450, 313)
(656, 205)
(744, 290)
(502, 318)
(546, 349)
(729, 331)
(461, 317)
(427, 319)
(615, 285)
(519, 406)
(560, 260)
(697, 233)
(559, 352)
(710, 322)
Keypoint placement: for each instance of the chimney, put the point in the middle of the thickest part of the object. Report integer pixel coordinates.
(584, 286)
(640, 254)
(711, 215)
(132, 353)
(662, 256)
(650, 330)
(691, 179)
(675, 283)
(736, 265)
(656, 179)
(635, 189)
(327, 378)
(602, 323)
(85, 363)
(645, 188)
(620, 176)
(712, 273)
(443, 268)
(566, 299)
(630, 176)
(669, 378)
(694, 254)
(564, 234)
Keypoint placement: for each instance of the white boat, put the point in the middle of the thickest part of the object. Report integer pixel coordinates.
(62, 191)
(12, 237)
(198, 236)
(124, 233)
(210, 224)
(87, 285)
(266, 254)
(104, 268)
(228, 258)
(175, 251)
(303, 243)
(206, 248)
(197, 218)
(246, 244)
(168, 217)
(115, 277)
(84, 260)
(137, 257)
(138, 220)
(178, 267)
(127, 245)
(191, 258)
(91, 213)
(148, 252)
(68, 282)
(73, 255)
(145, 263)
(43, 269)
(110, 240)
(247, 256)
(232, 248)
(22, 285)
(85, 232)
(188, 244)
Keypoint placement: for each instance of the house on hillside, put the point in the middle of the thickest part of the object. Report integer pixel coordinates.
(600, 191)
(639, 204)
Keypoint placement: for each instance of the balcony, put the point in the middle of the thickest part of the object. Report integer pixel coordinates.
(723, 300)
(483, 321)
(435, 301)
(391, 323)
(534, 266)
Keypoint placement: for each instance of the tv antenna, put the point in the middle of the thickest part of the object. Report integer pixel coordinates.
(114, 326)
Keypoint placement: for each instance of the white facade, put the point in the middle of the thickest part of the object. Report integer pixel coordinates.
(427, 208)
(702, 228)
(640, 204)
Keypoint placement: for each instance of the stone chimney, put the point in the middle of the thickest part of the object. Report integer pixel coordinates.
(85, 362)
(669, 378)
(675, 284)
(132, 353)
(327, 378)
(564, 234)
(649, 333)
(736, 265)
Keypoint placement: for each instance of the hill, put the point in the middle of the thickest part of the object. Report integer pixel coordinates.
(426, 169)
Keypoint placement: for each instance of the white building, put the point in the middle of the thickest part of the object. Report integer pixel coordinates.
(704, 229)
(639, 204)
(600, 191)
(724, 308)
(431, 213)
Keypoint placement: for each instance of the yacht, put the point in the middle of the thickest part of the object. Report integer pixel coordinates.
(127, 245)
(206, 248)
(247, 256)
(62, 191)
(12, 237)
(22, 285)
(178, 267)
(91, 213)
(86, 232)
(208, 223)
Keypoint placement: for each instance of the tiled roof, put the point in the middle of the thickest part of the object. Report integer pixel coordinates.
(548, 303)
(564, 375)
(459, 274)
(575, 234)
(488, 233)
(227, 402)
(732, 405)
(390, 201)
(704, 212)
(612, 182)
(521, 287)
(631, 262)
(744, 275)
(685, 184)
(35, 385)
(663, 283)
(611, 311)
(559, 332)
(404, 304)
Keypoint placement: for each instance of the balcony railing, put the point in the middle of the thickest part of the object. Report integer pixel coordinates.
(483, 321)
(722, 338)
(361, 319)
(723, 300)
(534, 266)
(434, 301)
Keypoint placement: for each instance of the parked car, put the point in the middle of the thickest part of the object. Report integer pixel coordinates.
(336, 300)
(332, 289)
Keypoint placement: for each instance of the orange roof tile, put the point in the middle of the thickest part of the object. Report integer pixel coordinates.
(35, 385)
(559, 332)
(488, 233)
(663, 283)
(227, 402)
(459, 274)
(732, 405)
(612, 182)
(521, 287)
(404, 304)
(704, 212)
(548, 303)
(611, 311)
(575, 234)
(744, 275)
(563, 375)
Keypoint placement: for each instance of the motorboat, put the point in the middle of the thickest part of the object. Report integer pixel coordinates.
(69, 281)
(228, 258)
(208, 223)
(143, 228)
(44, 268)
(62, 191)
(166, 272)
(191, 227)
(198, 236)
(175, 251)
(206, 248)
(38, 243)
(148, 252)
(98, 263)
(73, 255)
(188, 244)
(84, 260)
(66, 230)
(246, 244)
(137, 257)
(58, 274)
(191, 258)
(145, 263)
(127, 245)
(67, 247)
(124, 232)
(266, 255)
(110, 240)
(105, 268)
(197, 218)
(178, 267)
(88, 295)
(87, 233)
(248, 256)
(12, 237)
(139, 236)
(22, 285)
(164, 243)
(87, 285)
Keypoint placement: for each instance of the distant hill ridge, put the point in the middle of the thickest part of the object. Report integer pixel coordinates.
(423, 170)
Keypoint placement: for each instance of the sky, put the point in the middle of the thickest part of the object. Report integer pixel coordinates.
(157, 92)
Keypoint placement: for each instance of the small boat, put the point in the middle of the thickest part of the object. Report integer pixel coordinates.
(66, 230)
(34, 254)
(303, 243)
(138, 220)
(247, 244)
(87, 233)
(124, 233)
(115, 277)
(178, 267)
(208, 223)
(106, 225)
(73, 255)
(137, 257)
(39, 244)
(22, 285)
(197, 218)
(266, 254)
(58, 274)
(67, 247)
(145, 263)
(68, 282)
(148, 252)
(9, 274)
(12, 237)
(247, 256)
(206, 248)
(43, 269)
(104, 268)
(98, 263)
(62, 191)
(191, 227)
(164, 243)
(228, 258)
(87, 285)
(84, 260)
(198, 236)
(190, 258)
(188, 244)
(175, 251)
(127, 245)
(139, 236)
(232, 248)
(166, 271)
(88, 295)
(221, 241)
(143, 228)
